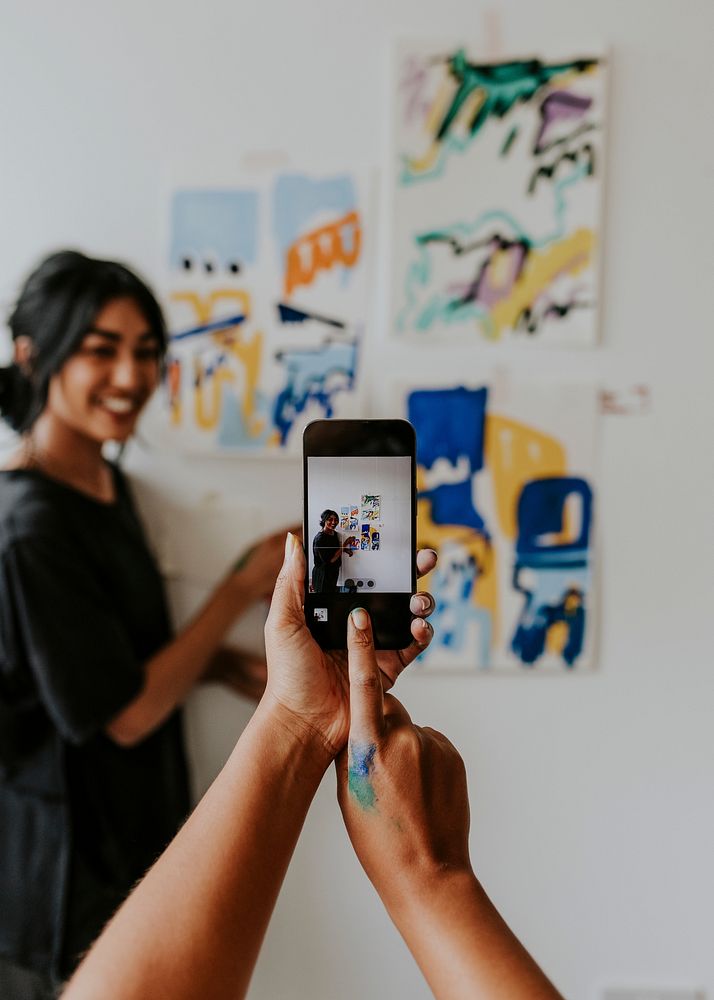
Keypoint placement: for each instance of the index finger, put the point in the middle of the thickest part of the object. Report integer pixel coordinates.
(366, 698)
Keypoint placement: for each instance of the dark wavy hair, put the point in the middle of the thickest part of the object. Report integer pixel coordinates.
(55, 309)
(328, 513)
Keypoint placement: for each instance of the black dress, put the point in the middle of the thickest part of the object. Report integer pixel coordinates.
(325, 572)
(82, 608)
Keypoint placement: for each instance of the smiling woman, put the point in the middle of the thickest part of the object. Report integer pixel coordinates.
(93, 779)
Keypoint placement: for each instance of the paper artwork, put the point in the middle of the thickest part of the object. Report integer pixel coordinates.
(497, 172)
(266, 298)
(506, 497)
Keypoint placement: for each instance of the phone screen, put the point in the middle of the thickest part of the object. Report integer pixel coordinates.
(359, 527)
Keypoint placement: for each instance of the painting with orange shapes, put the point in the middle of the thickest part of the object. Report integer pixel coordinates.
(496, 171)
(266, 297)
(506, 495)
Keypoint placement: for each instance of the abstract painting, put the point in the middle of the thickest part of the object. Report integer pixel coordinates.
(497, 174)
(266, 296)
(505, 482)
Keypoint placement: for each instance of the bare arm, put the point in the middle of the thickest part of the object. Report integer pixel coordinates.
(193, 927)
(402, 791)
(173, 671)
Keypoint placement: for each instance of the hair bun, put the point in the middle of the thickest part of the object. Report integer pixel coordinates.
(15, 396)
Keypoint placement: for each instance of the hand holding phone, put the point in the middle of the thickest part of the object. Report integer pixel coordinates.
(312, 683)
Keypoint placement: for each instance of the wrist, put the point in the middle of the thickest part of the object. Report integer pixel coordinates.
(426, 887)
(306, 744)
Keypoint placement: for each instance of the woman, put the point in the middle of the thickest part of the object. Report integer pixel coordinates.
(327, 549)
(93, 779)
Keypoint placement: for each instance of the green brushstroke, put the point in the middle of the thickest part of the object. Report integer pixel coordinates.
(503, 84)
(509, 140)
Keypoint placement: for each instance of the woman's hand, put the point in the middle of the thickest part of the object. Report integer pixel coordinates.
(243, 672)
(310, 684)
(257, 569)
(401, 787)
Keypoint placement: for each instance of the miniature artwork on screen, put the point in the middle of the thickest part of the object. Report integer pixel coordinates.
(505, 496)
(266, 299)
(497, 172)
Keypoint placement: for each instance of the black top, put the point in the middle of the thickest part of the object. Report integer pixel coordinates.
(325, 572)
(82, 608)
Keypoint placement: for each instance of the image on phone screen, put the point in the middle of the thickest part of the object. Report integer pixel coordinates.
(359, 516)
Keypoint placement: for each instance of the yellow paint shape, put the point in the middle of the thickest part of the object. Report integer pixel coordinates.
(204, 306)
(432, 536)
(516, 453)
(248, 351)
(556, 638)
(500, 269)
(570, 256)
(208, 398)
(437, 113)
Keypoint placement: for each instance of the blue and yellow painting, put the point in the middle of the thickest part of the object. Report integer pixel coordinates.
(505, 496)
(266, 299)
(497, 182)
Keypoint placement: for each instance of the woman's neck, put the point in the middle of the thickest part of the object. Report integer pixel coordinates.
(63, 453)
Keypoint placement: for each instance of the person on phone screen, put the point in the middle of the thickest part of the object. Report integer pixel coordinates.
(93, 780)
(194, 926)
(327, 549)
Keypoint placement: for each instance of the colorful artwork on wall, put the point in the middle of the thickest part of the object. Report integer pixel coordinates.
(371, 507)
(266, 299)
(369, 527)
(505, 495)
(497, 178)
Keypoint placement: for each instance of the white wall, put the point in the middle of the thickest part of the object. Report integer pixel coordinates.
(592, 805)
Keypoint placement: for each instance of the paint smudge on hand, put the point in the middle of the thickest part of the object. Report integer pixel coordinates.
(359, 771)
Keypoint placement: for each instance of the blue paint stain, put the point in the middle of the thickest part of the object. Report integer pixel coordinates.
(313, 376)
(541, 512)
(219, 226)
(220, 324)
(560, 572)
(232, 430)
(450, 424)
(359, 772)
(455, 613)
(299, 201)
(289, 314)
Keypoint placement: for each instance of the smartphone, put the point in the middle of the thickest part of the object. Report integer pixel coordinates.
(360, 528)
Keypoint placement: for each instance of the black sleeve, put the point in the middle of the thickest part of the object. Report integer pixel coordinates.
(323, 548)
(73, 642)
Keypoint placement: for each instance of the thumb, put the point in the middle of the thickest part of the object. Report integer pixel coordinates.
(366, 697)
(289, 593)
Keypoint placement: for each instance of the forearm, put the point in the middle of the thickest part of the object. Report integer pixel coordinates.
(173, 671)
(194, 925)
(463, 946)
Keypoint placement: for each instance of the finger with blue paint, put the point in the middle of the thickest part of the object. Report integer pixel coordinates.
(366, 708)
(404, 800)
